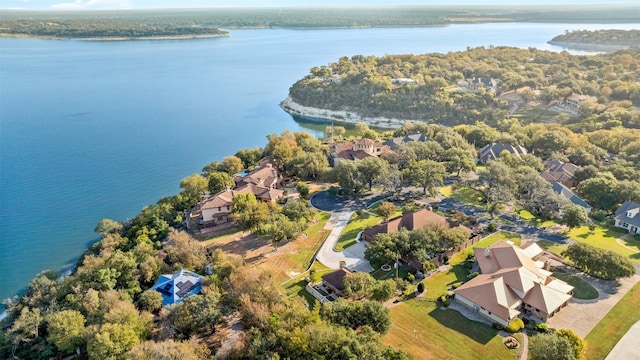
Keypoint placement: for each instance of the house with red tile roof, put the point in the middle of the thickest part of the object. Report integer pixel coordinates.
(356, 150)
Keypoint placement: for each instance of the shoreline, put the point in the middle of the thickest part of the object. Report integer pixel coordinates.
(350, 117)
(114, 38)
(588, 46)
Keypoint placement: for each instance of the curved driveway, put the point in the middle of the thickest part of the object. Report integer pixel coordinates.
(342, 208)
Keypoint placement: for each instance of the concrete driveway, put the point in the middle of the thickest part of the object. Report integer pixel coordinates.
(353, 256)
(583, 315)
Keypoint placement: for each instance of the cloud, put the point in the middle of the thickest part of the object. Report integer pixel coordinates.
(94, 4)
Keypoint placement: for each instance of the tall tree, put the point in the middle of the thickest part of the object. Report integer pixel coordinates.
(386, 209)
(371, 169)
(550, 347)
(249, 157)
(231, 165)
(601, 191)
(218, 181)
(425, 173)
(66, 330)
(194, 186)
(574, 215)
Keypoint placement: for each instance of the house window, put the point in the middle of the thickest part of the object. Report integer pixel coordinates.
(219, 208)
(625, 225)
(228, 207)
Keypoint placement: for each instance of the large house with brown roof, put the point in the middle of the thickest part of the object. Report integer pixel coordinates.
(356, 150)
(413, 220)
(560, 171)
(512, 284)
(334, 281)
(262, 182)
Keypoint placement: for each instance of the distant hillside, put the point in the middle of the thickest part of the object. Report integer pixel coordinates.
(604, 39)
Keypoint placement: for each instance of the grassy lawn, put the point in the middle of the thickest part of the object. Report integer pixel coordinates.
(316, 234)
(297, 286)
(604, 236)
(534, 220)
(423, 331)
(614, 325)
(487, 241)
(464, 195)
(357, 224)
(552, 246)
(582, 289)
(211, 238)
(380, 274)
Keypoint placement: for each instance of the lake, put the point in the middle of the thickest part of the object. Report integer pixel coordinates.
(92, 130)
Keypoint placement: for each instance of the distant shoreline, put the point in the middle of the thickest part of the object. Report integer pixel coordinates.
(294, 108)
(114, 38)
(587, 46)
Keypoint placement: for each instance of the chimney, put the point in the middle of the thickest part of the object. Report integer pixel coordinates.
(487, 252)
(547, 265)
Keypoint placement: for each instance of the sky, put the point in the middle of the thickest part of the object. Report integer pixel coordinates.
(172, 4)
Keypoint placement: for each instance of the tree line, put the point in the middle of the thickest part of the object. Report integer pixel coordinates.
(436, 92)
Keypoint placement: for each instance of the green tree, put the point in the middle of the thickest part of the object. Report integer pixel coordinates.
(248, 211)
(383, 290)
(386, 209)
(574, 215)
(281, 228)
(108, 226)
(303, 189)
(550, 347)
(297, 210)
(168, 350)
(345, 172)
(231, 165)
(194, 186)
(425, 173)
(458, 159)
(598, 262)
(150, 300)
(577, 343)
(112, 342)
(308, 165)
(601, 191)
(371, 169)
(361, 128)
(359, 285)
(356, 314)
(249, 157)
(66, 330)
(218, 181)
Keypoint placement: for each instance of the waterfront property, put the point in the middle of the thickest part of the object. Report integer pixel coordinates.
(513, 285)
(396, 142)
(262, 182)
(177, 286)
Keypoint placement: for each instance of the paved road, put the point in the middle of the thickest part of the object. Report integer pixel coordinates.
(328, 202)
(352, 258)
(628, 347)
(518, 226)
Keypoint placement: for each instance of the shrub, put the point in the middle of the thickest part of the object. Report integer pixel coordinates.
(598, 215)
(446, 259)
(444, 301)
(491, 227)
(420, 287)
(542, 327)
(303, 189)
(430, 266)
(410, 277)
(515, 325)
(359, 212)
(473, 274)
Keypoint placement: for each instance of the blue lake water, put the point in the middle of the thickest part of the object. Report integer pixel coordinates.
(92, 130)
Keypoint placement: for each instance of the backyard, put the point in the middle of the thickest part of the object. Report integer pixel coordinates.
(419, 324)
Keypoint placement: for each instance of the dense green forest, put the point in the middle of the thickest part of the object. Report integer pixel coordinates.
(146, 23)
(620, 38)
(439, 88)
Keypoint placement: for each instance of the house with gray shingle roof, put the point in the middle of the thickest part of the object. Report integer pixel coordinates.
(628, 217)
(493, 151)
(566, 193)
(395, 143)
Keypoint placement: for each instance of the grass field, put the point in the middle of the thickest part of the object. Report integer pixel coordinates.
(582, 289)
(551, 246)
(533, 220)
(604, 236)
(464, 195)
(614, 325)
(357, 224)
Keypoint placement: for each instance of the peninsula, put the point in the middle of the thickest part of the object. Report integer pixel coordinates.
(600, 40)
